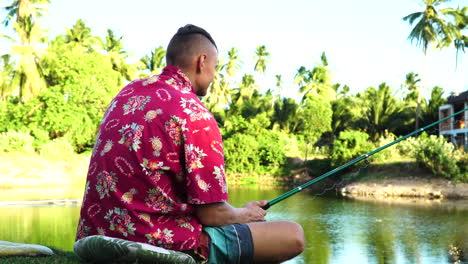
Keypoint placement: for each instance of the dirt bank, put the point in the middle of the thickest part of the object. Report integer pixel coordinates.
(411, 187)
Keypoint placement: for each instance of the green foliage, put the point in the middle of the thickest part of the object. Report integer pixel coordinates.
(441, 157)
(58, 147)
(16, 141)
(381, 110)
(84, 85)
(316, 117)
(271, 149)
(407, 147)
(350, 145)
(260, 152)
(389, 152)
(241, 153)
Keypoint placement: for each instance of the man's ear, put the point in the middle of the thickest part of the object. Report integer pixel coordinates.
(201, 62)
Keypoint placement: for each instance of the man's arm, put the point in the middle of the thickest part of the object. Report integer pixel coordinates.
(222, 214)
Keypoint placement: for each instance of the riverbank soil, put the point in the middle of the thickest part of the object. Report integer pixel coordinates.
(404, 179)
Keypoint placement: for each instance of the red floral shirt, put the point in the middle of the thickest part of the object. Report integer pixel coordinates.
(158, 152)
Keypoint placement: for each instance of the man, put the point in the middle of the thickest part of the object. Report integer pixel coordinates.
(156, 174)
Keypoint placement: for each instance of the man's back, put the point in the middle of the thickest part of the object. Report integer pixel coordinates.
(158, 151)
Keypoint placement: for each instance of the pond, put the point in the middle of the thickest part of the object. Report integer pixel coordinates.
(338, 230)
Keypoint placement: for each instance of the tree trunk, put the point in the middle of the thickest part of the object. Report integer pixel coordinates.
(418, 108)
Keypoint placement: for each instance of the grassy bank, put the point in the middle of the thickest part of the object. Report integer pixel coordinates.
(33, 170)
(60, 257)
(23, 171)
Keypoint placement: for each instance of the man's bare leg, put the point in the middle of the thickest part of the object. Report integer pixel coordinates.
(277, 241)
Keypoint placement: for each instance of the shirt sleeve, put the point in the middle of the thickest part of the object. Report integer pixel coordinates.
(204, 162)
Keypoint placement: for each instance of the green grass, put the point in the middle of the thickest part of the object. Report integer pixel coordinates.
(60, 257)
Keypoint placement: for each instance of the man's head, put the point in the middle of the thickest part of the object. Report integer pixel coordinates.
(194, 51)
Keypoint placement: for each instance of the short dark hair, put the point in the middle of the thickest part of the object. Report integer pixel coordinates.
(182, 38)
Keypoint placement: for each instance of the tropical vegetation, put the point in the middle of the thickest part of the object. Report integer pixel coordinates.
(54, 92)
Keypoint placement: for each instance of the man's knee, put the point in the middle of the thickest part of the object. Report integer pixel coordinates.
(296, 238)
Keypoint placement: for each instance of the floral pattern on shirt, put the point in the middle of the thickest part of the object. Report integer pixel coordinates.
(134, 103)
(220, 176)
(131, 135)
(175, 128)
(154, 169)
(158, 200)
(120, 221)
(194, 109)
(158, 152)
(161, 238)
(106, 182)
(194, 157)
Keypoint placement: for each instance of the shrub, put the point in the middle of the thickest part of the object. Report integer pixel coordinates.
(350, 145)
(16, 141)
(271, 149)
(256, 153)
(441, 157)
(58, 147)
(291, 145)
(241, 153)
(407, 147)
(389, 152)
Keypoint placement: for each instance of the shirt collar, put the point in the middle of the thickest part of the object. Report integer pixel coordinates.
(179, 76)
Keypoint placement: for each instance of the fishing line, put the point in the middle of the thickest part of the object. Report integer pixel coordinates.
(347, 177)
(363, 157)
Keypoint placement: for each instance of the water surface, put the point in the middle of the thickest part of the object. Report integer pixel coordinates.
(338, 230)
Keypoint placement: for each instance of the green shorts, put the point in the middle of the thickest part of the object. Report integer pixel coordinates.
(230, 244)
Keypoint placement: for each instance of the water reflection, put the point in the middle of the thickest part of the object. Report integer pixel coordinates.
(337, 230)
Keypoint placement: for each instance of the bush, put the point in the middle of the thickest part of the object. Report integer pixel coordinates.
(58, 147)
(407, 147)
(271, 149)
(291, 145)
(241, 153)
(256, 153)
(12, 140)
(350, 145)
(441, 157)
(389, 152)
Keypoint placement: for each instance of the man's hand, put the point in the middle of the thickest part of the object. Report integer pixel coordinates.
(222, 214)
(253, 212)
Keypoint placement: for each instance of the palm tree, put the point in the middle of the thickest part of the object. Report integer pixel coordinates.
(315, 81)
(22, 9)
(411, 83)
(233, 64)
(6, 71)
(279, 84)
(302, 78)
(80, 37)
(431, 111)
(430, 28)
(220, 94)
(246, 90)
(460, 23)
(381, 110)
(117, 55)
(285, 114)
(26, 56)
(262, 57)
(155, 61)
(27, 76)
(341, 106)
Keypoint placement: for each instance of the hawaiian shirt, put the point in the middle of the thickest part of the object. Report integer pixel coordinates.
(157, 153)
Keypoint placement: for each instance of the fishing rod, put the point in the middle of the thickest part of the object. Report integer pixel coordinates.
(365, 156)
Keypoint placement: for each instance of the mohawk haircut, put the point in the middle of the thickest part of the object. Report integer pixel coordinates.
(181, 44)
